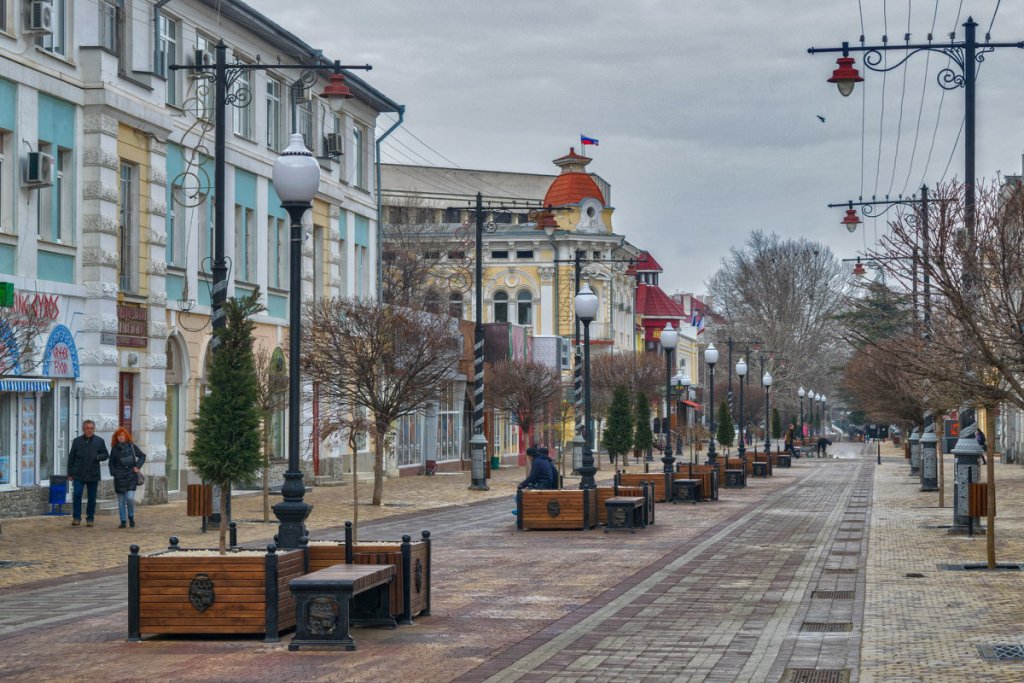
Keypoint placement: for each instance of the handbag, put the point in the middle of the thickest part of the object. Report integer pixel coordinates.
(140, 480)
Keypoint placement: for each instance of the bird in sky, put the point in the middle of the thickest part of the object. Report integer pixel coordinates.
(821, 118)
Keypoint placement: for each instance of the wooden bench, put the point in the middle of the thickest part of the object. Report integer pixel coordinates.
(638, 479)
(565, 510)
(328, 601)
(625, 513)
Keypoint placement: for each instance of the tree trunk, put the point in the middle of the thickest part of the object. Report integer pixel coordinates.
(223, 519)
(990, 472)
(355, 486)
(378, 467)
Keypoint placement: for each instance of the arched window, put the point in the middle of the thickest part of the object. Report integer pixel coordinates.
(433, 302)
(524, 307)
(500, 307)
(455, 304)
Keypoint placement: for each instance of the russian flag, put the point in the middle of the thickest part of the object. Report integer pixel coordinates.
(584, 140)
(697, 320)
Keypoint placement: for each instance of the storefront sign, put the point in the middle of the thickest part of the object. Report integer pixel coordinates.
(36, 307)
(60, 359)
(131, 326)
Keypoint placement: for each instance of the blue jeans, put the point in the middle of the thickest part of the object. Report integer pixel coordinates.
(126, 500)
(76, 499)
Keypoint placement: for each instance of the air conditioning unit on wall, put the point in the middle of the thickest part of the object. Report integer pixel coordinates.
(40, 17)
(334, 144)
(38, 170)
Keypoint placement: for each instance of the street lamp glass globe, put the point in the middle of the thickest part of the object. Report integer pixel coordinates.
(669, 338)
(767, 379)
(810, 395)
(683, 380)
(586, 304)
(296, 173)
(801, 393)
(741, 368)
(711, 355)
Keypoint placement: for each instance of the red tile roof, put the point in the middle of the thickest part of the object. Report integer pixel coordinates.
(651, 302)
(570, 188)
(645, 263)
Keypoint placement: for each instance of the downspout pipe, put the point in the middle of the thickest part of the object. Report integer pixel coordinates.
(380, 216)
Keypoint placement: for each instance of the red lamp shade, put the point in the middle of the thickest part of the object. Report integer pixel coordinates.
(546, 222)
(858, 269)
(845, 76)
(336, 92)
(850, 220)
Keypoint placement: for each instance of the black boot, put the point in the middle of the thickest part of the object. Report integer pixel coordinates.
(131, 522)
(122, 526)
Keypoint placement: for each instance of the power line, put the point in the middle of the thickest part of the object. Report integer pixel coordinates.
(920, 108)
(942, 99)
(899, 122)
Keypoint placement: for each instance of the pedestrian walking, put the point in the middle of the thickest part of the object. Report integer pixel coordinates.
(87, 452)
(791, 441)
(126, 460)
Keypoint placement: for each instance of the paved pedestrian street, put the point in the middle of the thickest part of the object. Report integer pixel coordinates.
(827, 569)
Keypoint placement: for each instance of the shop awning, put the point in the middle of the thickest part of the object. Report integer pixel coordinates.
(18, 385)
(695, 406)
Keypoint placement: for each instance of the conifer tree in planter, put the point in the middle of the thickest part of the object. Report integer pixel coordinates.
(643, 439)
(726, 432)
(226, 448)
(618, 432)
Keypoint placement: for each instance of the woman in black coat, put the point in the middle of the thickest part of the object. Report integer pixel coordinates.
(125, 462)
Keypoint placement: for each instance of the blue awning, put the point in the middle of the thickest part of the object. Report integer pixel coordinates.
(19, 385)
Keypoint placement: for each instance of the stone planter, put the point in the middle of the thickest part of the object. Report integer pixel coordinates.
(200, 591)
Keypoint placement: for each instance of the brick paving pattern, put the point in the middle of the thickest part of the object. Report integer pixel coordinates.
(748, 588)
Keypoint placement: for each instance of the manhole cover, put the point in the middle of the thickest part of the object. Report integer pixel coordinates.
(981, 566)
(826, 627)
(12, 564)
(815, 676)
(840, 570)
(1002, 652)
(832, 595)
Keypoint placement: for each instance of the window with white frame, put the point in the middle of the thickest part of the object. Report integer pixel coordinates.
(6, 193)
(3, 15)
(304, 122)
(109, 26)
(176, 227)
(245, 245)
(167, 54)
(362, 272)
(54, 202)
(277, 253)
(204, 92)
(449, 423)
(524, 307)
(55, 41)
(408, 439)
(358, 157)
(501, 307)
(242, 110)
(127, 239)
(275, 118)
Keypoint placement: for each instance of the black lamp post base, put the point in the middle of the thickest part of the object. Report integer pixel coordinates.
(292, 513)
(587, 470)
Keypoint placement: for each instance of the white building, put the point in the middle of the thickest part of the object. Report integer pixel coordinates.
(117, 242)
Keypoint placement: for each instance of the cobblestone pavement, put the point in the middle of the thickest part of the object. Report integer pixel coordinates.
(733, 590)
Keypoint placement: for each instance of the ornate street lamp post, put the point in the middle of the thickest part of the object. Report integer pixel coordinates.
(669, 340)
(586, 309)
(810, 410)
(801, 393)
(296, 178)
(741, 372)
(711, 357)
(766, 382)
(682, 384)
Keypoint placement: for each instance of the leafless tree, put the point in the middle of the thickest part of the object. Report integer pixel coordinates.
(426, 264)
(272, 386)
(524, 389)
(640, 373)
(786, 294)
(389, 360)
(20, 329)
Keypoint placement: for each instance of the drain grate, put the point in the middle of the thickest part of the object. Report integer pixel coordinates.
(815, 676)
(847, 553)
(850, 530)
(12, 564)
(840, 570)
(826, 626)
(1002, 652)
(914, 575)
(935, 526)
(832, 595)
(981, 566)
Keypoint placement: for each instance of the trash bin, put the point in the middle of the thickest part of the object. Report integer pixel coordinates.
(58, 494)
(495, 462)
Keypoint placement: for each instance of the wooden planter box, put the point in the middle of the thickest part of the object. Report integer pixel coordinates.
(569, 509)
(638, 478)
(410, 588)
(177, 591)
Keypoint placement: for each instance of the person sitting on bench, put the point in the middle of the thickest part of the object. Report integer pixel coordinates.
(543, 474)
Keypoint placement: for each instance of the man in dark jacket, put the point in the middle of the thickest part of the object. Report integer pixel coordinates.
(87, 452)
(543, 474)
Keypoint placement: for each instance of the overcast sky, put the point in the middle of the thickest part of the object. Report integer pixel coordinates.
(706, 112)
